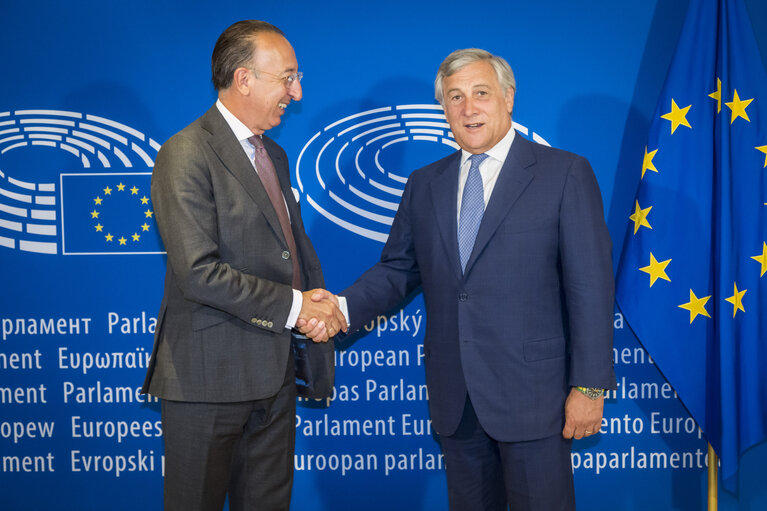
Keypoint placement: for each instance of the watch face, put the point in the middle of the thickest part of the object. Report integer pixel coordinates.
(591, 393)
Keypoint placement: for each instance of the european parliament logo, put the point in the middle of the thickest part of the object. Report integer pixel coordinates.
(353, 171)
(86, 211)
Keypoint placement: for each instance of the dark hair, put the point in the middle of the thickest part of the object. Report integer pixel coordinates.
(234, 48)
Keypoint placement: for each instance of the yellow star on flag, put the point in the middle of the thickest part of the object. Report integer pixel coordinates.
(763, 148)
(107, 191)
(98, 200)
(736, 299)
(717, 95)
(738, 107)
(144, 200)
(656, 270)
(99, 227)
(134, 191)
(109, 237)
(94, 214)
(122, 240)
(647, 163)
(640, 217)
(148, 213)
(696, 306)
(121, 187)
(136, 236)
(677, 116)
(762, 259)
(145, 227)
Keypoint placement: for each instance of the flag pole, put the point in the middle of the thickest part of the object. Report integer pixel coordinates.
(713, 462)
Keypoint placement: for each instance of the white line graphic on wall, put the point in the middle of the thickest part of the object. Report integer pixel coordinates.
(341, 170)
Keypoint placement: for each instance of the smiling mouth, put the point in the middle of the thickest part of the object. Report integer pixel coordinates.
(474, 125)
(282, 106)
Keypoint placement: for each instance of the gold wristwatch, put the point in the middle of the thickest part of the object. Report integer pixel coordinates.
(591, 392)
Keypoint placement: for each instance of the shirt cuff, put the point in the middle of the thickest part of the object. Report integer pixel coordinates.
(344, 309)
(295, 309)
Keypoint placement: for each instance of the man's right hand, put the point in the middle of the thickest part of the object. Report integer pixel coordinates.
(320, 318)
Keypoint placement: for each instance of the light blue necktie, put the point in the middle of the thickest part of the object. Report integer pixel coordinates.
(472, 209)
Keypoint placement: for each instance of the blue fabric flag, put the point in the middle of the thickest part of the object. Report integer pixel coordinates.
(108, 214)
(691, 280)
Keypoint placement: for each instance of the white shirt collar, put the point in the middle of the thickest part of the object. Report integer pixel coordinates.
(241, 131)
(498, 151)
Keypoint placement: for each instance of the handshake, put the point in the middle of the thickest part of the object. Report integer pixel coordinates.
(320, 317)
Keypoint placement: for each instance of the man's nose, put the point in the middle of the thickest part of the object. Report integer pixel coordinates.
(469, 106)
(295, 91)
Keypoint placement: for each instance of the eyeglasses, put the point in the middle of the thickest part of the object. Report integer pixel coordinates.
(287, 81)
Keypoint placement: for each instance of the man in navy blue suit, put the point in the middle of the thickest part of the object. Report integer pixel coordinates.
(508, 242)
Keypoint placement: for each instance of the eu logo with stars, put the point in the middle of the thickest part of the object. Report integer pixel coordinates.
(108, 214)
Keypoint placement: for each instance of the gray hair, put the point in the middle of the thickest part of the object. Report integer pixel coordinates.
(462, 58)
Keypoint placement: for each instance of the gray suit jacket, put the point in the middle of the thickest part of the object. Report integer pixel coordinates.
(221, 333)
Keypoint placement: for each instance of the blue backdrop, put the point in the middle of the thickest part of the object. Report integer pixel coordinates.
(89, 92)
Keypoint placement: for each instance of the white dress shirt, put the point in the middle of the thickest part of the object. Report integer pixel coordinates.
(488, 169)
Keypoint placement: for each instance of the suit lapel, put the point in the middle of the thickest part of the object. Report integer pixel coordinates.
(444, 194)
(229, 151)
(512, 181)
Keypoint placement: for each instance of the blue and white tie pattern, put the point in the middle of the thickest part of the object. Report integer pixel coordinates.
(472, 209)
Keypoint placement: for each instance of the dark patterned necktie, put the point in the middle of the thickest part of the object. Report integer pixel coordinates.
(268, 176)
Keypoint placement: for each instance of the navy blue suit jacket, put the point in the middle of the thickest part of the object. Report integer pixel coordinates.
(531, 315)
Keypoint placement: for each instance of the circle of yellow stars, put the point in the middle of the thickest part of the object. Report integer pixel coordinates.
(109, 237)
(657, 269)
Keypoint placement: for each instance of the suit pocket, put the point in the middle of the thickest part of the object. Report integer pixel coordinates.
(207, 316)
(544, 349)
(526, 225)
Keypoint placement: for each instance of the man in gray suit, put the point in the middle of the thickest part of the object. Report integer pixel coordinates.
(238, 258)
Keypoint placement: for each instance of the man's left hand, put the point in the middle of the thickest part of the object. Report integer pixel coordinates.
(583, 416)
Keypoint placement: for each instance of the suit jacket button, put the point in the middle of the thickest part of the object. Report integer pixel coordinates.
(463, 297)
(270, 324)
(285, 254)
(253, 320)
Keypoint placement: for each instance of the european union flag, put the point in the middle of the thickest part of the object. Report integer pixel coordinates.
(691, 276)
(108, 214)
